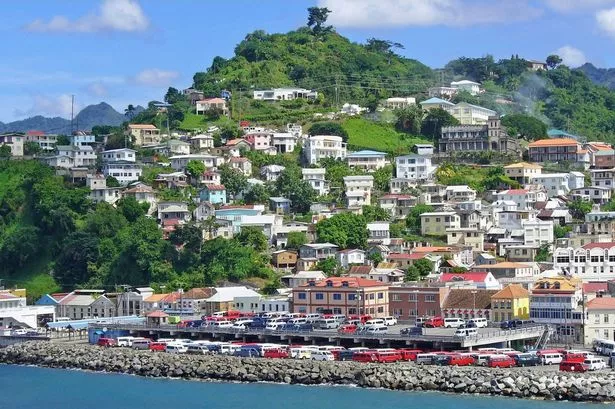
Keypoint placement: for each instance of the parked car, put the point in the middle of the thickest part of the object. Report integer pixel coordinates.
(411, 331)
(375, 321)
(422, 359)
(275, 325)
(124, 341)
(552, 358)
(388, 356)
(300, 353)
(466, 332)
(460, 360)
(361, 318)
(347, 329)
(434, 322)
(106, 342)
(453, 322)
(242, 324)
(178, 348)
(375, 329)
(198, 349)
(141, 343)
(328, 323)
(157, 346)
(322, 356)
(500, 361)
(438, 359)
(571, 366)
(390, 321)
(409, 354)
(343, 355)
(275, 353)
(595, 364)
(478, 323)
(312, 317)
(307, 327)
(526, 359)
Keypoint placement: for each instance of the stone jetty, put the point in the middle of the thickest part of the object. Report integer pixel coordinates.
(518, 382)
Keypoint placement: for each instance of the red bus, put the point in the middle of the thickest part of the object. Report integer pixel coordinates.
(365, 356)
(409, 354)
(388, 356)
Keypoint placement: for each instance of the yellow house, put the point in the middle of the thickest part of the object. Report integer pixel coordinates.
(437, 223)
(523, 172)
(144, 134)
(512, 302)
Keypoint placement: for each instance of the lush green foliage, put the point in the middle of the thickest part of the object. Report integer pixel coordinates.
(413, 220)
(364, 134)
(527, 126)
(328, 128)
(345, 230)
(296, 239)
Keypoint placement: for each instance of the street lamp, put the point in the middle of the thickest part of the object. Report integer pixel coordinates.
(416, 306)
(307, 292)
(474, 303)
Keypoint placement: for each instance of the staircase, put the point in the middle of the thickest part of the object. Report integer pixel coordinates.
(541, 342)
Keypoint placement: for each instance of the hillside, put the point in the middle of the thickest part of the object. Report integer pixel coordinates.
(88, 117)
(599, 76)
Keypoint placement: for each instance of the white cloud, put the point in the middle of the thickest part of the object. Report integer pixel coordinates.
(49, 106)
(155, 77)
(112, 15)
(97, 89)
(572, 57)
(606, 21)
(572, 5)
(387, 13)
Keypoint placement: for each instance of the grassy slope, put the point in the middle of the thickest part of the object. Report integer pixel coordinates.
(366, 134)
(193, 121)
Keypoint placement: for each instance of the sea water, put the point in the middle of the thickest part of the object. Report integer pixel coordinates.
(42, 388)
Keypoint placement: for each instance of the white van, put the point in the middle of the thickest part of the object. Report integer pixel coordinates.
(595, 364)
(339, 317)
(176, 348)
(297, 321)
(466, 332)
(389, 321)
(552, 359)
(322, 356)
(312, 318)
(220, 324)
(300, 353)
(375, 329)
(124, 341)
(453, 322)
(377, 321)
(422, 359)
(274, 325)
(140, 343)
(479, 322)
(328, 323)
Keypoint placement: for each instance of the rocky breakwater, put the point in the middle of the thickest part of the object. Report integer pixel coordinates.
(522, 383)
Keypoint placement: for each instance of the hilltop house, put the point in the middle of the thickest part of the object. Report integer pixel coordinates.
(143, 134)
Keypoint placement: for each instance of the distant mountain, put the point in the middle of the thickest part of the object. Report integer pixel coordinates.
(100, 114)
(600, 76)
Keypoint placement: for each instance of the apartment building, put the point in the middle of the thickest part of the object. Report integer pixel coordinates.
(316, 178)
(144, 134)
(358, 190)
(414, 167)
(522, 172)
(591, 262)
(558, 150)
(367, 160)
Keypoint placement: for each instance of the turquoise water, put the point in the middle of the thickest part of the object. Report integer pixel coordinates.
(29, 388)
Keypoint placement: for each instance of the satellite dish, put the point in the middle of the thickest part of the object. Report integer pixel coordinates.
(104, 329)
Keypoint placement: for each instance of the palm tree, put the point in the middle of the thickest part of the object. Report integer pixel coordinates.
(130, 112)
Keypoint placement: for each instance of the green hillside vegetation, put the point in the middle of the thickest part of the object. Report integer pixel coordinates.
(364, 134)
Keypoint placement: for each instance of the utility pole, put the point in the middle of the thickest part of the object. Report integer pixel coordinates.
(337, 95)
(72, 112)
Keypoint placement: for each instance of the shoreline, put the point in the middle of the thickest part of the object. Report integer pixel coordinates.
(588, 387)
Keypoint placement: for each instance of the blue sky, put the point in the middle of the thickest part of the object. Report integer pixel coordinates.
(131, 51)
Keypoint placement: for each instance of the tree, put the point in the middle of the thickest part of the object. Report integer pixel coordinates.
(112, 182)
(189, 236)
(382, 177)
(62, 140)
(73, 264)
(296, 239)
(317, 17)
(172, 96)
(413, 220)
(105, 221)
(31, 148)
(412, 274)
(233, 180)
(272, 286)
(376, 214)
(18, 248)
(560, 232)
(131, 209)
(5, 152)
(396, 229)
(256, 194)
(409, 119)
(544, 254)
(291, 185)
(433, 122)
(328, 128)
(527, 126)
(253, 237)
(375, 258)
(345, 230)
(195, 169)
(424, 266)
(553, 61)
(579, 208)
(130, 112)
(327, 266)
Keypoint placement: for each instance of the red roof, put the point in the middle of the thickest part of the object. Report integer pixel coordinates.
(601, 303)
(170, 222)
(215, 187)
(35, 133)
(59, 296)
(234, 142)
(590, 246)
(354, 282)
(236, 159)
(516, 192)
(594, 287)
(404, 256)
(474, 277)
(157, 314)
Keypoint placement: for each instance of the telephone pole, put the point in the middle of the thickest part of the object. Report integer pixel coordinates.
(72, 112)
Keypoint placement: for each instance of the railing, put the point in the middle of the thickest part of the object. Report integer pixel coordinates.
(509, 333)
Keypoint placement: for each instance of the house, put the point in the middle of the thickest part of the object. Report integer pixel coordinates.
(384, 275)
(202, 142)
(82, 304)
(15, 313)
(319, 251)
(378, 233)
(271, 173)
(558, 301)
(285, 94)
(284, 142)
(268, 223)
(591, 262)
(281, 232)
(279, 205)
(398, 205)
(467, 303)
(58, 161)
(214, 194)
(47, 143)
(317, 147)
(124, 172)
(468, 86)
(142, 194)
(522, 172)
(205, 106)
(537, 232)
(466, 236)
(536, 65)
(342, 295)
(437, 223)
(173, 180)
(442, 92)
(179, 162)
(213, 227)
(525, 199)
(410, 302)
(204, 211)
(237, 213)
(460, 193)
(284, 259)
(143, 134)
(193, 95)
(491, 136)
(414, 167)
(170, 147)
(468, 114)
(235, 146)
(173, 211)
(81, 156)
(600, 317)
(558, 150)
(223, 299)
(349, 257)
(241, 164)
(81, 138)
(603, 178)
(510, 303)
(260, 141)
(130, 302)
(399, 102)
(301, 278)
(604, 159)
(403, 260)
(507, 269)
(117, 155)
(358, 190)
(210, 177)
(316, 178)
(483, 280)
(99, 192)
(596, 194)
(367, 160)
(194, 299)
(558, 184)
(423, 149)
(434, 103)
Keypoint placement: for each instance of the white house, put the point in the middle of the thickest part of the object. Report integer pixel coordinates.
(316, 178)
(267, 222)
(537, 232)
(179, 162)
(378, 233)
(15, 141)
(174, 211)
(283, 142)
(209, 104)
(399, 102)
(82, 156)
(592, 262)
(116, 155)
(460, 193)
(142, 193)
(468, 114)
(15, 312)
(202, 142)
(596, 194)
(414, 167)
(318, 147)
(366, 159)
(466, 85)
(603, 177)
(345, 258)
(58, 161)
(284, 94)
(437, 223)
(271, 173)
(124, 172)
(524, 198)
(558, 184)
(358, 190)
(433, 103)
(99, 192)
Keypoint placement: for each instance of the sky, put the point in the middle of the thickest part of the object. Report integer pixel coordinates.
(130, 51)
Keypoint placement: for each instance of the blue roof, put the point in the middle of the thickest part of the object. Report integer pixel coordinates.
(558, 133)
(435, 100)
(366, 153)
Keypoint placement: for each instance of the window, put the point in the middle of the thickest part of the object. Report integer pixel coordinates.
(372, 296)
(380, 296)
(352, 297)
(320, 296)
(302, 296)
(337, 297)
(606, 318)
(380, 309)
(430, 298)
(395, 297)
(411, 297)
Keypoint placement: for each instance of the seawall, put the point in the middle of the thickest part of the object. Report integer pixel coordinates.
(522, 383)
